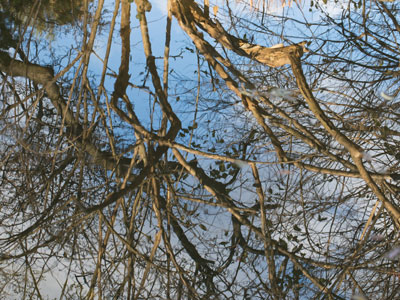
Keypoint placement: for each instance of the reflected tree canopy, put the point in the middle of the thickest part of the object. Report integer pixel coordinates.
(45, 11)
(189, 149)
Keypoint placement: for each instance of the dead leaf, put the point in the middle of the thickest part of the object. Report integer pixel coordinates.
(215, 10)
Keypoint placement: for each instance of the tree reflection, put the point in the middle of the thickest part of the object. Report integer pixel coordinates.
(255, 160)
